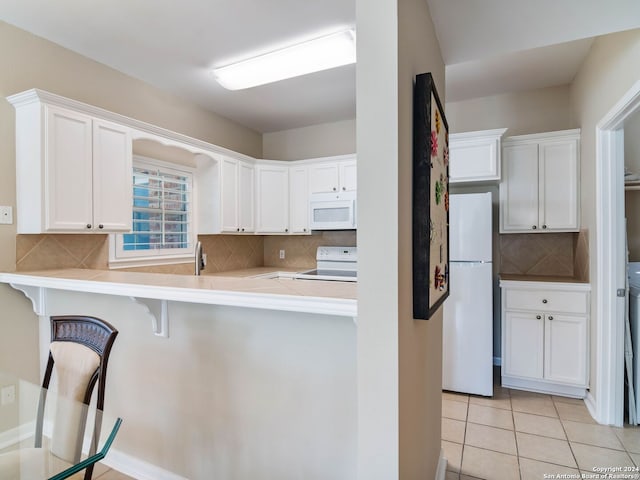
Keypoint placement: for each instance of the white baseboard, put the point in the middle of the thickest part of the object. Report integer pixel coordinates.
(497, 361)
(590, 402)
(137, 468)
(16, 435)
(442, 466)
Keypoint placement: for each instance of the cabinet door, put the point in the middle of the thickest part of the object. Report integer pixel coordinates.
(246, 199)
(112, 177)
(559, 185)
(474, 160)
(519, 188)
(229, 195)
(299, 201)
(523, 345)
(69, 178)
(348, 176)
(565, 349)
(324, 177)
(273, 199)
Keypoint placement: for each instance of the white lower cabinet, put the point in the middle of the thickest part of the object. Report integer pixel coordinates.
(545, 337)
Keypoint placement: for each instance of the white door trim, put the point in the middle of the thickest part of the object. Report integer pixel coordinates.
(610, 257)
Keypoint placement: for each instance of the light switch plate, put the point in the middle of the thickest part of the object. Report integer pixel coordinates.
(6, 215)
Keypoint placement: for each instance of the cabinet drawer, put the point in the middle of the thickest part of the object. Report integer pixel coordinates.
(546, 301)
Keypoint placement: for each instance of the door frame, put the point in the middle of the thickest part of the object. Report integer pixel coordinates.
(608, 404)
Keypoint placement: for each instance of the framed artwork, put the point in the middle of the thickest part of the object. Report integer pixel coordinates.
(430, 200)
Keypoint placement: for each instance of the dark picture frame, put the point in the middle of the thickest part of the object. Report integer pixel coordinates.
(430, 200)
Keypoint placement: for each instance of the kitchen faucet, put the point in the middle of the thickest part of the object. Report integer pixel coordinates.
(199, 259)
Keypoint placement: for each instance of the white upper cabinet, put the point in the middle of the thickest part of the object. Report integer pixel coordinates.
(237, 186)
(475, 156)
(333, 176)
(539, 191)
(73, 171)
(112, 173)
(272, 199)
(299, 200)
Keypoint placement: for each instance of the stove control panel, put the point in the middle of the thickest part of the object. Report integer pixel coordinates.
(337, 254)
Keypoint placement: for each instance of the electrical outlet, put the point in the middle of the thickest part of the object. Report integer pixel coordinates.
(281, 254)
(8, 395)
(6, 215)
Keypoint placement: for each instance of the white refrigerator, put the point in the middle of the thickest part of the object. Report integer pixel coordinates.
(467, 364)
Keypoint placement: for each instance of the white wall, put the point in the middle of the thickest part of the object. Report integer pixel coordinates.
(323, 140)
(233, 393)
(399, 359)
(608, 72)
(531, 111)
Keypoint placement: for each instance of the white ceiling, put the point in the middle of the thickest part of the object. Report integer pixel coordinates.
(489, 46)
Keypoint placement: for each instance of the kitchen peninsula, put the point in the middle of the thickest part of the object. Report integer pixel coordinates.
(239, 289)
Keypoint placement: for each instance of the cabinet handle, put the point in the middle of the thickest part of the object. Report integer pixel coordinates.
(334, 189)
(538, 317)
(544, 300)
(544, 226)
(286, 229)
(101, 226)
(344, 188)
(88, 225)
(304, 229)
(550, 317)
(534, 227)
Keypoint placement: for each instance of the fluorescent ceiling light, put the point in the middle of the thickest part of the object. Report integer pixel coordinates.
(314, 55)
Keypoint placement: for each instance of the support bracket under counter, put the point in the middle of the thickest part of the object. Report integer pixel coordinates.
(158, 310)
(37, 295)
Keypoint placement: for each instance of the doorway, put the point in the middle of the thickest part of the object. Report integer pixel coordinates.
(608, 407)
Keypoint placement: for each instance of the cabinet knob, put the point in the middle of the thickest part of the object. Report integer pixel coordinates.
(534, 227)
(286, 229)
(544, 226)
(544, 300)
(334, 189)
(243, 229)
(101, 226)
(550, 317)
(344, 188)
(538, 317)
(88, 225)
(237, 229)
(304, 229)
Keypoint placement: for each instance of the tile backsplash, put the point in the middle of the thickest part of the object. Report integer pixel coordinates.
(554, 254)
(300, 251)
(45, 252)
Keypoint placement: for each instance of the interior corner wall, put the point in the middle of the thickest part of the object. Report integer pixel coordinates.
(632, 197)
(399, 359)
(28, 61)
(609, 71)
(531, 111)
(323, 140)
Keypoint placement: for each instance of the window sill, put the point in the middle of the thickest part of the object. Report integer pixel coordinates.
(115, 264)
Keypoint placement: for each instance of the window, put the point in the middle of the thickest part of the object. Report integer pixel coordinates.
(162, 229)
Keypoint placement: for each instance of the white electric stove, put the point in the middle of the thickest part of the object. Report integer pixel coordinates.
(334, 263)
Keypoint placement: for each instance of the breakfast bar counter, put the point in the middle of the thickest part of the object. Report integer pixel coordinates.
(236, 289)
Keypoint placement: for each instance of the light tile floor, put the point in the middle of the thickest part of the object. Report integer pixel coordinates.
(520, 435)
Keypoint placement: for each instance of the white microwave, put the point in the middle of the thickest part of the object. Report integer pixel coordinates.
(333, 211)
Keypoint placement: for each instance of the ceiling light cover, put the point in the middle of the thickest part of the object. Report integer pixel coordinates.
(315, 55)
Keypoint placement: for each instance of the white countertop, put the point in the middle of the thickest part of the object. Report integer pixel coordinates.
(227, 288)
